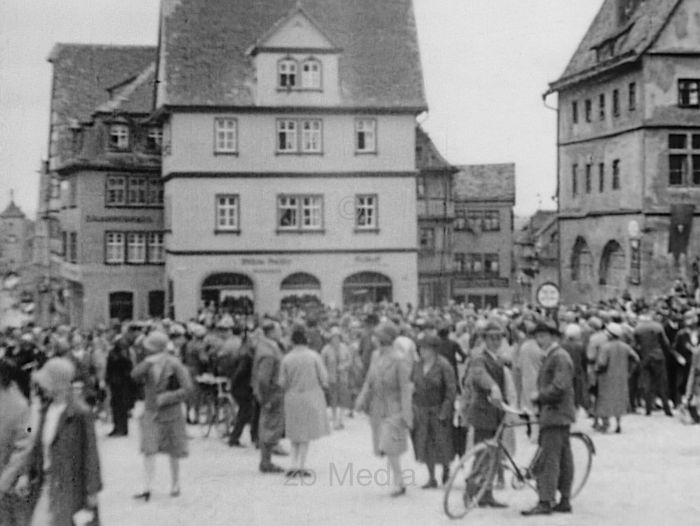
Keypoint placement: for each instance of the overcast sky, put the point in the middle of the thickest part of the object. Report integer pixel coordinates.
(486, 64)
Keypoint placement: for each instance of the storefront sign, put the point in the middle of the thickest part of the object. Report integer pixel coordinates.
(368, 260)
(118, 219)
(270, 265)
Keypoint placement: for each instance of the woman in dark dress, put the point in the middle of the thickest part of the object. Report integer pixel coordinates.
(433, 402)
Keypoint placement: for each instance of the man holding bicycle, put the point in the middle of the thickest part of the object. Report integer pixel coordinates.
(555, 397)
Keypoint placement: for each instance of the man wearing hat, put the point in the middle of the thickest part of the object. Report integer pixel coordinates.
(652, 345)
(486, 383)
(555, 398)
(269, 394)
(64, 450)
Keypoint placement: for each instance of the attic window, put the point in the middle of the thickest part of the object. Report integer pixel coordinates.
(311, 74)
(119, 137)
(287, 69)
(154, 140)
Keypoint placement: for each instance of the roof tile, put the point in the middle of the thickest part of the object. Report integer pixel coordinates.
(484, 182)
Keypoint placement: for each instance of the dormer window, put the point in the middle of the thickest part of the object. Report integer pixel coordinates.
(154, 140)
(119, 137)
(311, 74)
(287, 73)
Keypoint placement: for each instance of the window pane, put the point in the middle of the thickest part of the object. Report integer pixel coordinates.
(696, 169)
(677, 141)
(677, 169)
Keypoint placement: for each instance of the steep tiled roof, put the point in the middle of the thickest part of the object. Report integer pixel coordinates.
(12, 211)
(203, 57)
(133, 97)
(631, 38)
(82, 75)
(484, 182)
(427, 155)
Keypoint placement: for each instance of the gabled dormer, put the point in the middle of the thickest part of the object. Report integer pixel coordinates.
(296, 63)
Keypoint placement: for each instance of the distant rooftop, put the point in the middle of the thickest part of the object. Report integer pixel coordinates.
(12, 211)
(428, 157)
(485, 182)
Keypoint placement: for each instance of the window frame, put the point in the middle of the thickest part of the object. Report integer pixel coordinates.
(220, 149)
(302, 84)
(116, 147)
(124, 189)
(129, 260)
(73, 248)
(601, 177)
(431, 246)
(574, 180)
(150, 248)
(588, 110)
(280, 64)
(694, 91)
(588, 178)
(632, 96)
(154, 139)
(122, 258)
(301, 132)
(226, 229)
(278, 130)
(358, 131)
(601, 106)
(616, 174)
(298, 209)
(574, 111)
(375, 207)
(616, 102)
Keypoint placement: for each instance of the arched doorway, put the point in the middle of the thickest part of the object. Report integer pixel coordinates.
(300, 290)
(367, 286)
(581, 262)
(613, 268)
(229, 291)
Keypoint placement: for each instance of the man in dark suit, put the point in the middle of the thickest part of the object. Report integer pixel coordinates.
(652, 345)
(486, 382)
(555, 398)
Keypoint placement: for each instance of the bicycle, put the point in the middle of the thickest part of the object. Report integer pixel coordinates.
(217, 409)
(478, 469)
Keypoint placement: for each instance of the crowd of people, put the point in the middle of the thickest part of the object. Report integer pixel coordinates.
(434, 376)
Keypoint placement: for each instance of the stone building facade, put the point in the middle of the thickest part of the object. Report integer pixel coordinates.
(484, 196)
(629, 151)
(289, 152)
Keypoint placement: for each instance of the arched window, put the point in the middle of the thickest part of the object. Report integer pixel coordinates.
(311, 74)
(366, 287)
(613, 269)
(234, 293)
(300, 281)
(581, 261)
(287, 73)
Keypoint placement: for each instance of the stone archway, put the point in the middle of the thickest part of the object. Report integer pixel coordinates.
(613, 266)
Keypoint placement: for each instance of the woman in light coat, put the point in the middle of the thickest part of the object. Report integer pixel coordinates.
(167, 385)
(612, 371)
(387, 397)
(303, 377)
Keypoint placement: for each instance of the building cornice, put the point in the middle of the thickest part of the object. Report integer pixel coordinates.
(78, 166)
(286, 175)
(647, 125)
(300, 252)
(330, 110)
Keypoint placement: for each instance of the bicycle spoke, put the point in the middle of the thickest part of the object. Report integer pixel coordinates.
(469, 481)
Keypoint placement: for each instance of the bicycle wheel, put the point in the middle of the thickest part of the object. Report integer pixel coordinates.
(582, 450)
(225, 414)
(469, 480)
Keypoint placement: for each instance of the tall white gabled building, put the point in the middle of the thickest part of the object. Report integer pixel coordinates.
(289, 151)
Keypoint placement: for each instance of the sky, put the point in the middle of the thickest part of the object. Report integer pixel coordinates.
(486, 64)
